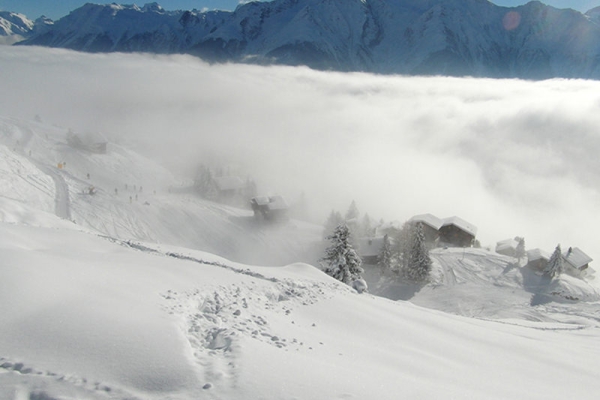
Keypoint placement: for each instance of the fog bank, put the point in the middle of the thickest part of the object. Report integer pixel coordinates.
(512, 157)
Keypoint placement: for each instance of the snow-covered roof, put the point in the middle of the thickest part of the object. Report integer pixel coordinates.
(506, 244)
(261, 200)
(369, 247)
(576, 257)
(271, 202)
(537, 254)
(229, 182)
(428, 219)
(460, 223)
(277, 203)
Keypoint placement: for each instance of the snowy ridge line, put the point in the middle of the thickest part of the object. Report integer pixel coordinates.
(222, 265)
(539, 328)
(138, 246)
(9, 366)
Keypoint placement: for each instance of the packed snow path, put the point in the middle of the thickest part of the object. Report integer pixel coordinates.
(61, 201)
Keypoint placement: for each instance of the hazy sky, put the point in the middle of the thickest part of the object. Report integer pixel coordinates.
(56, 9)
(512, 157)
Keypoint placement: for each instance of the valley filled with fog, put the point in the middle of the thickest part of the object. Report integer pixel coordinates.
(512, 157)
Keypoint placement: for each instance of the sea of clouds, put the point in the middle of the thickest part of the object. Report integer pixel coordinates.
(512, 157)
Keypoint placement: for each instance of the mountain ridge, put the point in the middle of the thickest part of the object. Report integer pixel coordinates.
(433, 37)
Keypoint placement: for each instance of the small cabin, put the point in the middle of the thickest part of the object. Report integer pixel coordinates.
(369, 249)
(507, 247)
(537, 259)
(576, 263)
(228, 187)
(91, 142)
(270, 207)
(457, 232)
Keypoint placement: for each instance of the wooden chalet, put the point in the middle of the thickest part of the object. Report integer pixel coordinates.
(431, 227)
(228, 187)
(507, 247)
(94, 143)
(457, 232)
(270, 207)
(369, 249)
(576, 263)
(537, 259)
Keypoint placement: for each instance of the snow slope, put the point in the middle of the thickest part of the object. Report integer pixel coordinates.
(113, 307)
(86, 316)
(164, 211)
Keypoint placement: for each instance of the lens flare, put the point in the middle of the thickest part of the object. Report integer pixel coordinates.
(511, 20)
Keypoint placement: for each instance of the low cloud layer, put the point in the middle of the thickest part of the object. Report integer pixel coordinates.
(512, 157)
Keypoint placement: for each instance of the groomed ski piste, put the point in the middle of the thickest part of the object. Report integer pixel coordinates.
(103, 297)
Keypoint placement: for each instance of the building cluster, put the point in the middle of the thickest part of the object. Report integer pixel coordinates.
(438, 232)
(575, 261)
(456, 232)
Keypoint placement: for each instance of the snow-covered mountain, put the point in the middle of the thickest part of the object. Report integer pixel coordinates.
(449, 37)
(16, 27)
(99, 300)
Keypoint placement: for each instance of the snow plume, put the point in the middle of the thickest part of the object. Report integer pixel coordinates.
(512, 157)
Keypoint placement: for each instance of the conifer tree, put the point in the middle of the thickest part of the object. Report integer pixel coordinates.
(352, 222)
(385, 255)
(419, 264)
(402, 243)
(204, 182)
(555, 265)
(342, 261)
(352, 212)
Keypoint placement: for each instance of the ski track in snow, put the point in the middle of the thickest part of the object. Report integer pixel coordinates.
(62, 200)
(45, 383)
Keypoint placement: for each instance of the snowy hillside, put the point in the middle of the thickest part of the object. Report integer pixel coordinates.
(135, 198)
(101, 319)
(433, 37)
(119, 305)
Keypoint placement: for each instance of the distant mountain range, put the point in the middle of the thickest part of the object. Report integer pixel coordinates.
(415, 37)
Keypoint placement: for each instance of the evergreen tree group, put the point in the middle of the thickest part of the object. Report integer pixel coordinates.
(341, 259)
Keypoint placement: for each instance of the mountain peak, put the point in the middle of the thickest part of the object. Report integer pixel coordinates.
(447, 37)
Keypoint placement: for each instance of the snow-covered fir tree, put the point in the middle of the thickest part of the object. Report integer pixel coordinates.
(418, 265)
(341, 260)
(402, 239)
(385, 259)
(555, 265)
